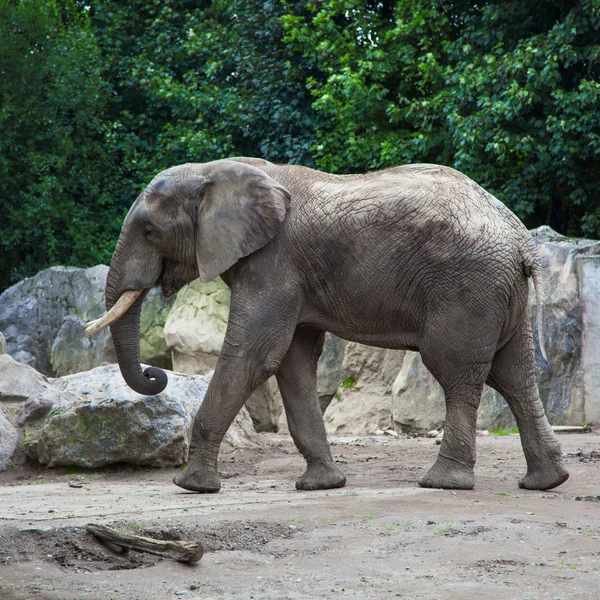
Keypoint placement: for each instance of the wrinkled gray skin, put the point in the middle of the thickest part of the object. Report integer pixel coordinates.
(416, 257)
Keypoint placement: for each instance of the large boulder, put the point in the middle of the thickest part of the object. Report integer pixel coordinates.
(43, 319)
(419, 405)
(195, 327)
(26, 397)
(9, 437)
(195, 330)
(560, 380)
(363, 403)
(109, 423)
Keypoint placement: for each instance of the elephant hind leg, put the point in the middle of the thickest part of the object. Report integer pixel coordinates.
(513, 375)
(297, 379)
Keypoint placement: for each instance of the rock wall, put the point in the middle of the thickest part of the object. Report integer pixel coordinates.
(363, 403)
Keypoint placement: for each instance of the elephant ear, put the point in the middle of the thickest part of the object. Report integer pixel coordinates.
(240, 210)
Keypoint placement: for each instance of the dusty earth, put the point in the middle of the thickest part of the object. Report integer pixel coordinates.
(379, 537)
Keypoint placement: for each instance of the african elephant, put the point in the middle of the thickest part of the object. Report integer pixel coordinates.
(415, 257)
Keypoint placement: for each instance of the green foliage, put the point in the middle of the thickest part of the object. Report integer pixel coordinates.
(507, 92)
(96, 98)
(348, 383)
(503, 431)
(54, 151)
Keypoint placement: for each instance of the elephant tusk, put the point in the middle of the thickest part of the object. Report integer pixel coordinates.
(121, 306)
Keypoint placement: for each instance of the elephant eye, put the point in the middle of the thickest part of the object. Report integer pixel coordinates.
(149, 234)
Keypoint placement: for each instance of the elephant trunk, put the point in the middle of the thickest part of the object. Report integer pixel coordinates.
(125, 333)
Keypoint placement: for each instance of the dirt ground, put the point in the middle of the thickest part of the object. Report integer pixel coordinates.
(379, 537)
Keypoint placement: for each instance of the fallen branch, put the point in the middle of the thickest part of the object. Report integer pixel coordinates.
(181, 551)
(571, 428)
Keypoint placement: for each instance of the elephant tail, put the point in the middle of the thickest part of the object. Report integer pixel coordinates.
(533, 268)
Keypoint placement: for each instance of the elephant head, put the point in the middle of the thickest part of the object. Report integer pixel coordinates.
(193, 220)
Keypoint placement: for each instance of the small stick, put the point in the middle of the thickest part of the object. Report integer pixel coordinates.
(181, 551)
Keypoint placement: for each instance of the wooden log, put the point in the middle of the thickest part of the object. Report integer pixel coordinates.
(571, 428)
(180, 551)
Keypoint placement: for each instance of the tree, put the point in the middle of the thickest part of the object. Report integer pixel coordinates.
(55, 161)
(507, 92)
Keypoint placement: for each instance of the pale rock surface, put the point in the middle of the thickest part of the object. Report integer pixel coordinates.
(26, 396)
(195, 330)
(153, 345)
(9, 438)
(195, 327)
(364, 402)
(18, 382)
(419, 405)
(589, 290)
(561, 380)
(110, 423)
(417, 398)
(329, 369)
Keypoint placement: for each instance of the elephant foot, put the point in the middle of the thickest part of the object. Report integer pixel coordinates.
(544, 479)
(321, 476)
(196, 479)
(448, 475)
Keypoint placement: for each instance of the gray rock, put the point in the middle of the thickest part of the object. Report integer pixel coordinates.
(110, 423)
(560, 380)
(36, 408)
(418, 402)
(33, 311)
(153, 345)
(18, 382)
(73, 352)
(43, 319)
(589, 293)
(329, 369)
(195, 330)
(2, 343)
(9, 438)
(26, 396)
(363, 404)
(195, 327)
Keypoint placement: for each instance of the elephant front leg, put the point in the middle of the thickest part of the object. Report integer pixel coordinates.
(252, 351)
(297, 379)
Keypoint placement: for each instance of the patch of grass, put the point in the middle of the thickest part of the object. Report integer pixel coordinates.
(503, 431)
(410, 527)
(348, 383)
(72, 469)
(367, 518)
(298, 521)
(503, 495)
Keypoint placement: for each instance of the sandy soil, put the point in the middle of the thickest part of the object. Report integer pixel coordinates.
(379, 537)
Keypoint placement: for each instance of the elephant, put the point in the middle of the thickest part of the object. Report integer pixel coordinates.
(416, 257)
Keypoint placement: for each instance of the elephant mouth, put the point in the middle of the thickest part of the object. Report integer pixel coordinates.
(120, 307)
